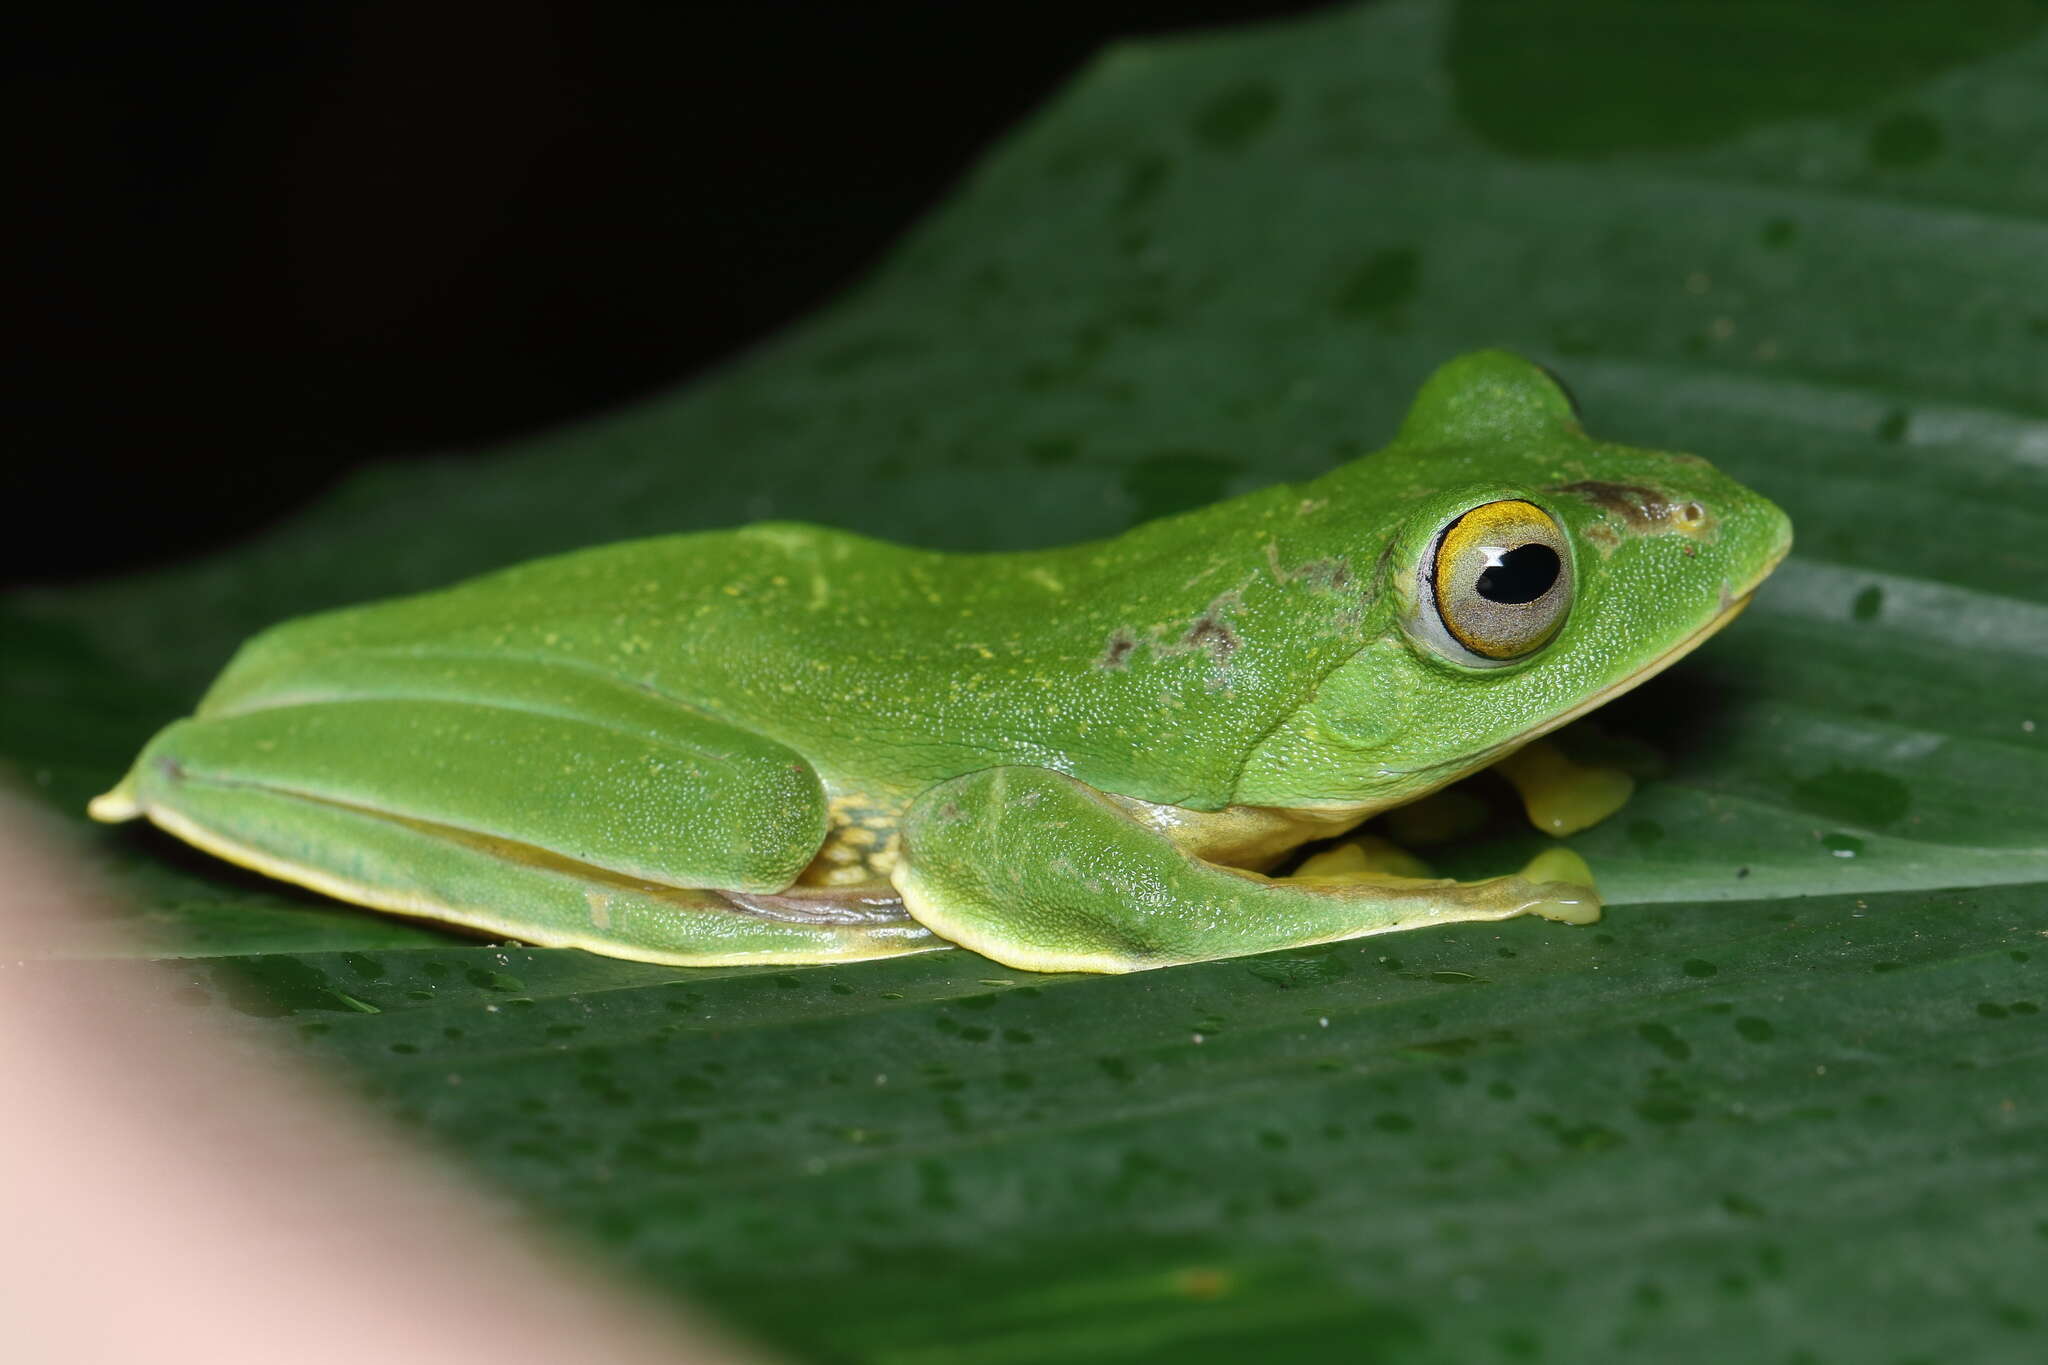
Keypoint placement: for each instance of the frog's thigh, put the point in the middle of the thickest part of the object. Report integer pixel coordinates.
(1042, 872)
(541, 827)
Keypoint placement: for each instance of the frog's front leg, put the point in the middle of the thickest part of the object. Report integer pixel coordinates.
(1045, 873)
(1562, 796)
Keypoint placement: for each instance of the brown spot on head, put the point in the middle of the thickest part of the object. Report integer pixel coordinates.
(1642, 508)
(1642, 511)
(1117, 653)
(1211, 631)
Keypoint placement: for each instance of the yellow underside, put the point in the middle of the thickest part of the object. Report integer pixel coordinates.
(419, 907)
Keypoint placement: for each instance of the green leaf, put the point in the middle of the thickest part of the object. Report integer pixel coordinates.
(1784, 1104)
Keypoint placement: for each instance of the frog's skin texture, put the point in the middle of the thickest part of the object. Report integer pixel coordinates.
(785, 743)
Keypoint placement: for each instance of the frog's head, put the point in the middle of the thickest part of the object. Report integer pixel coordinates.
(1529, 573)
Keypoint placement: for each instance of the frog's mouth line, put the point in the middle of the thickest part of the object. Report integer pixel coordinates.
(1648, 671)
(1494, 753)
(1732, 606)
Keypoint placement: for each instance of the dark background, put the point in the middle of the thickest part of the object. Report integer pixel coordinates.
(267, 242)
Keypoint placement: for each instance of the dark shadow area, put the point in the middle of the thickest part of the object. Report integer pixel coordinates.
(266, 243)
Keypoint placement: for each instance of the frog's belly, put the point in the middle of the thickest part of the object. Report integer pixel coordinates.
(861, 845)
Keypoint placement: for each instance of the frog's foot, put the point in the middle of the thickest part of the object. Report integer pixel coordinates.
(1363, 859)
(1561, 796)
(1359, 858)
(669, 846)
(1044, 873)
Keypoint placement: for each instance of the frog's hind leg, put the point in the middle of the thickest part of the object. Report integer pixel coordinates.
(661, 834)
(1044, 873)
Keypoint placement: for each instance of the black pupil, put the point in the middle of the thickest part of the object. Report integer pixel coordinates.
(1524, 574)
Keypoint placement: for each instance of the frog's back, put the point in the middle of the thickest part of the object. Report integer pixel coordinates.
(886, 666)
(683, 615)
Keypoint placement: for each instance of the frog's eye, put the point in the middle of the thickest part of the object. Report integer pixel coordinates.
(1498, 582)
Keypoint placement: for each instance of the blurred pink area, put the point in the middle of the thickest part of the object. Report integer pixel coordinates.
(173, 1191)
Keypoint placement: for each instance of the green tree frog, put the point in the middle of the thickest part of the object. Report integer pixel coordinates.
(788, 744)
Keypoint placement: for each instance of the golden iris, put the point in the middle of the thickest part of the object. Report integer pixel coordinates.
(1502, 579)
